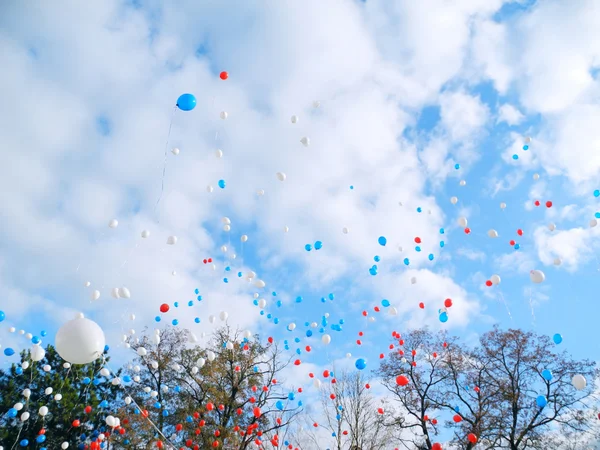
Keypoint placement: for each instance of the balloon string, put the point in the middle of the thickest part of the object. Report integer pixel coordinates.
(162, 187)
(531, 305)
(505, 304)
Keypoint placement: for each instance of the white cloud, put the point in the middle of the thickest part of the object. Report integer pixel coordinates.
(573, 246)
(509, 114)
(463, 115)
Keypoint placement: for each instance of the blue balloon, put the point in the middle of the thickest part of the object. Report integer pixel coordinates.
(299, 299)
(309, 333)
(444, 317)
(406, 261)
(557, 338)
(126, 378)
(19, 371)
(377, 258)
(291, 396)
(24, 443)
(2, 316)
(547, 374)
(9, 351)
(308, 247)
(44, 333)
(331, 296)
(385, 303)
(417, 248)
(457, 166)
(221, 184)
(541, 401)
(442, 244)
(35, 340)
(360, 364)
(186, 102)
(318, 245)
(12, 412)
(430, 257)
(382, 241)
(597, 193)
(457, 409)
(86, 380)
(41, 438)
(157, 318)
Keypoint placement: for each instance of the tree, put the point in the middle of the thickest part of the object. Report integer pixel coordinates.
(227, 394)
(524, 369)
(65, 390)
(425, 373)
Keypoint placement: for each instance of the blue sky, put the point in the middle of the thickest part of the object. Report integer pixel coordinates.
(406, 90)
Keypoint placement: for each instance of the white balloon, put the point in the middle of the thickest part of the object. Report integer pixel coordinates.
(67, 365)
(127, 400)
(200, 363)
(104, 372)
(286, 229)
(223, 316)
(537, 276)
(527, 140)
(345, 230)
(294, 119)
(24, 416)
(37, 353)
(219, 153)
(114, 223)
(251, 275)
(58, 397)
(400, 248)
(454, 200)
(12, 329)
(95, 294)
(124, 292)
(224, 248)
(579, 382)
(305, 141)
(413, 280)
(462, 183)
(247, 334)
(175, 151)
(194, 370)
(212, 318)
(317, 383)
(502, 205)
(87, 284)
(313, 325)
(260, 284)
(291, 326)
(65, 445)
(25, 364)
(593, 223)
(154, 364)
(495, 279)
(110, 421)
(262, 303)
(145, 234)
(114, 292)
(244, 238)
(281, 176)
(210, 356)
(26, 393)
(156, 339)
(492, 233)
(316, 104)
(551, 227)
(557, 261)
(260, 192)
(141, 351)
(326, 339)
(229, 346)
(348, 355)
(393, 311)
(18, 406)
(372, 319)
(153, 394)
(131, 316)
(223, 115)
(462, 221)
(48, 391)
(172, 240)
(47, 368)
(80, 341)
(174, 273)
(209, 189)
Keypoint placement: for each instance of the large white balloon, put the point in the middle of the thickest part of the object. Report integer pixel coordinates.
(37, 353)
(200, 363)
(124, 292)
(80, 341)
(495, 279)
(462, 221)
(326, 339)
(579, 382)
(145, 234)
(537, 276)
(260, 284)
(210, 356)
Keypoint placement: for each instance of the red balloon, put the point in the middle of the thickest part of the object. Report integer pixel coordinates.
(159, 444)
(536, 203)
(422, 306)
(210, 406)
(88, 409)
(326, 373)
(548, 204)
(488, 283)
(401, 380)
(257, 412)
(188, 443)
(520, 232)
(472, 438)
(223, 75)
(297, 362)
(76, 423)
(332, 396)
(418, 240)
(178, 427)
(448, 302)
(164, 308)
(512, 242)
(457, 418)
(215, 444)
(380, 410)
(467, 230)
(368, 386)
(436, 446)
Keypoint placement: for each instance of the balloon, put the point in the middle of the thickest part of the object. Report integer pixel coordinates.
(141, 351)
(593, 223)
(25, 417)
(305, 141)
(294, 119)
(172, 240)
(454, 200)
(257, 412)
(175, 151)
(495, 279)
(114, 223)
(279, 405)
(360, 364)
(462, 221)
(541, 401)
(551, 227)
(492, 234)
(2, 316)
(124, 292)
(244, 238)
(37, 353)
(547, 375)
(382, 241)
(401, 380)
(472, 438)
(557, 261)
(326, 339)
(579, 382)
(223, 315)
(223, 115)
(210, 356)
(80, 341)
(186, 102)
(502, 205)
(281, 176)
(223, 75)
(95, 295)
(145, 234)
(345, 230)
(114, 292)
(462, 183)
(537, 276)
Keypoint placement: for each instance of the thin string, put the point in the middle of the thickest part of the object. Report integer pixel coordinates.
(162, 187)
(505, 304)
